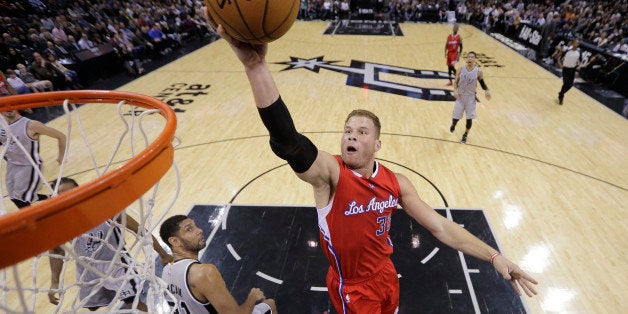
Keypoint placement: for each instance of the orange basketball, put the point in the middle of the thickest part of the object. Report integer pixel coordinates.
(254, 21)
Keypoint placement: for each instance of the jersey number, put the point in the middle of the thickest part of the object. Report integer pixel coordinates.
(182, 308)
(384, 224)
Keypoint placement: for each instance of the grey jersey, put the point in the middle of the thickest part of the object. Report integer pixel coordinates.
(19, 131)
(99, 243)
(468, 82)
(175, 274)
(97, 248)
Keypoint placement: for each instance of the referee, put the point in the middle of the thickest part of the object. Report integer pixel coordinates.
(570, 64)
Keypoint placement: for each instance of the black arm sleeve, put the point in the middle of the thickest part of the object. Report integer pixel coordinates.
(285, 141)
(484, 87)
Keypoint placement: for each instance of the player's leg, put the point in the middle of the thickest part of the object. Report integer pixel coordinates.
(351, 299)
(568, 77)
(126, 289)
(453, 125)
(466, 132)
(470, 113)
(457, 114)
(389, 285)
(451, 70)
(563, 89)
(377, 295)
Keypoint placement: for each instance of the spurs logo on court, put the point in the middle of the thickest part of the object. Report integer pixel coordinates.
(367, 75)
(484, 60)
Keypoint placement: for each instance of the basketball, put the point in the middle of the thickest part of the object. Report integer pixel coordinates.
(254, 21)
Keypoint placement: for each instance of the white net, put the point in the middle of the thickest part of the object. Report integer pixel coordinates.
(113, 267)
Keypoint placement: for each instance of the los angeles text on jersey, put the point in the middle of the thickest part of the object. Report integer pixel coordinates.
(373, 206)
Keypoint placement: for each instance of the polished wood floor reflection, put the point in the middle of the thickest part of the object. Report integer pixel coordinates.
(552, 180)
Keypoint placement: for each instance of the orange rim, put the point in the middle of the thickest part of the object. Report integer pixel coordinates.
(47, 224)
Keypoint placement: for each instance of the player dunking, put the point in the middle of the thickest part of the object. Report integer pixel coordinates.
(355, 198)
(453, 49)
(464, 91)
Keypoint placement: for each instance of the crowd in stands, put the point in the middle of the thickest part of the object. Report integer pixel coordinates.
(40, 38)
(600, 26)
(602, 23)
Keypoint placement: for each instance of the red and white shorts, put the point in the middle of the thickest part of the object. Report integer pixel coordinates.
(378, 294)
(452, 58)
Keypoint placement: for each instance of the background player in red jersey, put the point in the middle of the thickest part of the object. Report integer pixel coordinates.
(453, 49)
(355, 197)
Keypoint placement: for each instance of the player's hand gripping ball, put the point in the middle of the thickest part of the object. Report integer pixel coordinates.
(254, 21)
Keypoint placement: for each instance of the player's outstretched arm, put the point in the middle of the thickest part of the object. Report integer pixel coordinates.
(253, 58)
(458, 238)
(288, 144)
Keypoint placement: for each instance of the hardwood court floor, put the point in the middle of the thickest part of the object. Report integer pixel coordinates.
(551, 179)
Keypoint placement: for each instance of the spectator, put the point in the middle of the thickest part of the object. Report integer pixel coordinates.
(601, 40)
(62, 49)
(51, 50)
(14, 58)
(173, 38)
(303, 10)
(72, 75)
(29, 79)
(72, 44)
(159, 39)
(129, 54)
(44, 70)
(37, 43)
(59, 33)
(189, 29)
(85, 42)
(18, 85)
(5, 88)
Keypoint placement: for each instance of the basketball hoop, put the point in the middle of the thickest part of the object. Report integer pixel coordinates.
(104, 193)
(64, 217)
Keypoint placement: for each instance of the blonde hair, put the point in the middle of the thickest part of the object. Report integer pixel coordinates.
(367, 114)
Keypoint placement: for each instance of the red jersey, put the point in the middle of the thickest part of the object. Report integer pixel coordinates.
(354, 225)
(453, 43)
